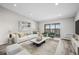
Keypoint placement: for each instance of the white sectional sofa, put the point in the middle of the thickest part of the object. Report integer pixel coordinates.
(21, 37)
(26, 38)
(17, 49)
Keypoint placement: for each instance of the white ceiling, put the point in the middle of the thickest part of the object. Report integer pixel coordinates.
(44, 11)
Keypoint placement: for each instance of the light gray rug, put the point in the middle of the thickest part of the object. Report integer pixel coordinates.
(48, 48)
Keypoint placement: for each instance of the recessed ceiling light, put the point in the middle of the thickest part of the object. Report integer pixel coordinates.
(14, 5)
(56, 3)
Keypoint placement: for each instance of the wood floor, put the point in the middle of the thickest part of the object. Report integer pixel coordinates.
(64, 48)
(68, 48)
(2, 49)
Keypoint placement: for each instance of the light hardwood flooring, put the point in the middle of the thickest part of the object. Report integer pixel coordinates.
(3, 49)
(64, 47)
(68, 48)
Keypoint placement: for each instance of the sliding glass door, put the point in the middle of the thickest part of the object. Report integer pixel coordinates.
(53, 28)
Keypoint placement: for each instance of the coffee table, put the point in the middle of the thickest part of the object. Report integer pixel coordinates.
(39, 43)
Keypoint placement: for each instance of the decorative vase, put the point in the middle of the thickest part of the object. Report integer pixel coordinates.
(39, 37)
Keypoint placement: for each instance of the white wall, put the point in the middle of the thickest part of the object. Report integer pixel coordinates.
(9, 22)
(77, 16)
(67, 26)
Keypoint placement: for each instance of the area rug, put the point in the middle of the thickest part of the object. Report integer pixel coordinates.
(48, 48)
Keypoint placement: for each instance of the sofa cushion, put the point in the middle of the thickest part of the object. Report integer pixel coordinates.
(26, 38)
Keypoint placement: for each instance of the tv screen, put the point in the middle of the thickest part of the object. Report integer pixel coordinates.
(77, 27)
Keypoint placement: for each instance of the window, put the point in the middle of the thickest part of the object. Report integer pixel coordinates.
(47, 27)
(54, 28)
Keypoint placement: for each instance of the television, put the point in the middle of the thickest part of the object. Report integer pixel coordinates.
(77, 27)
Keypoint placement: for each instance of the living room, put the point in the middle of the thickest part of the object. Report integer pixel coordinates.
(38, 28)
